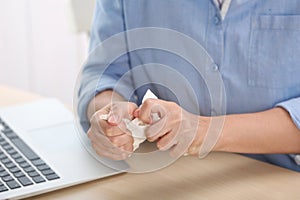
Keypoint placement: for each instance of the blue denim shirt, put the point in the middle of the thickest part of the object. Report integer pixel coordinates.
(255, 47)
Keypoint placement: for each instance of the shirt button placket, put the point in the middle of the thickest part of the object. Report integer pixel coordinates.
(215, 67)
(216, 20)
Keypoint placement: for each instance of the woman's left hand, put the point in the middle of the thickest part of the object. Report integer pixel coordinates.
(176, 129)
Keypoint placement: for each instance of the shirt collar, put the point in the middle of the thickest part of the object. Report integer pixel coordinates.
(224, 7)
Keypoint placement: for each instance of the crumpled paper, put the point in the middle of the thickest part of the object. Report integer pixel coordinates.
(136, 126)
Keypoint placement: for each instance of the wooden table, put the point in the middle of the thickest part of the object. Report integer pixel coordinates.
(218, 176)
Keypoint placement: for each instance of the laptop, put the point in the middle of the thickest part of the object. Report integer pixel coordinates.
(40, 151)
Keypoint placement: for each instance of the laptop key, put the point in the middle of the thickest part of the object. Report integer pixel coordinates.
(1, 127)
(25, 181)
(5, 160)
(2, 156)
(10, 134)
(14, 170)
(38, 162)
(1, 169)
(47, 172)
(3, 142)
(52, 177)
(24, 164)
(20, 160)
(43, 167)
(13, 184)
(11, 151)
(3, 188)
(19, 174)
(38, 179)
(16, 156)
(7, 147)
(3, 173)
(6, 130)
(29, 169)
(10, 165)
(7, 178)
(24, 148)
(33, 174)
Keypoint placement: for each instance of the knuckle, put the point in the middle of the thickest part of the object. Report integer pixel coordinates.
(130, 139)
(132, 105)
(173, 104)
(148, 102)
(110, 131)
(94, 146)
(100, 152)
(114, 139)
(89, 133)
(121, 140)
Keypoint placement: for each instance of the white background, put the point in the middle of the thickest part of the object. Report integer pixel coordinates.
(38, 50)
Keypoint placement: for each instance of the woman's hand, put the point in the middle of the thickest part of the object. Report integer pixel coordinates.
(110, 138)
(176, 129)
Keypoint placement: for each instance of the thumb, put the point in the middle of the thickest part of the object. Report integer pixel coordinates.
(113, 119)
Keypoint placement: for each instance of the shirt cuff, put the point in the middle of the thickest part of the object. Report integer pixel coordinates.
(121, 88)
(293, 107)
(94, 88)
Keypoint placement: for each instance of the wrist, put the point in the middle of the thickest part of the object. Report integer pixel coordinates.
(202, 127)
(101, 100)
(209, 125)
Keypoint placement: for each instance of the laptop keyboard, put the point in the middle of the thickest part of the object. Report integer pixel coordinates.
(20, 166)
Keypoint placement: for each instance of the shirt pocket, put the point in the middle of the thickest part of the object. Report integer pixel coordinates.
(274, 53)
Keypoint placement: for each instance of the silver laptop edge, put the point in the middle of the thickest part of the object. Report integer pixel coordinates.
(47, 127)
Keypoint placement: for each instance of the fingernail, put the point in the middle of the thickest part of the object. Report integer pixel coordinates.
(136, 113)
(113, 119)
(150, 139)
(193, 149)
(158, 146)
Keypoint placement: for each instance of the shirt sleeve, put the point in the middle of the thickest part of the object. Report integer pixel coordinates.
(293, 107)
(103, 69)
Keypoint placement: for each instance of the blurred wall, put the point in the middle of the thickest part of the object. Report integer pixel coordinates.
(38, 52)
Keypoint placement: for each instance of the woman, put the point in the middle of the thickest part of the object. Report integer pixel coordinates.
(252, 45)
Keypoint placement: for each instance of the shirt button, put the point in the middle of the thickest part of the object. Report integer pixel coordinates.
(213, 112)
(216, 20)
(215, 67)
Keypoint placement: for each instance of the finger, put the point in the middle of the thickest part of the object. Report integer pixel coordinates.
(136, 113)
(178, 150)
(112, 131)
(194, 148)
(111, 151)
(120, 111)
(98, 124)
(110, 155)
(113, 119)
(147, 108)
(98, 138)
(167, 141)
(121, 140)
(127, 147)
(158, 129)
(104, 147)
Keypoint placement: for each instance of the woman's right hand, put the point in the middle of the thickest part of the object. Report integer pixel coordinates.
(110, 138)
